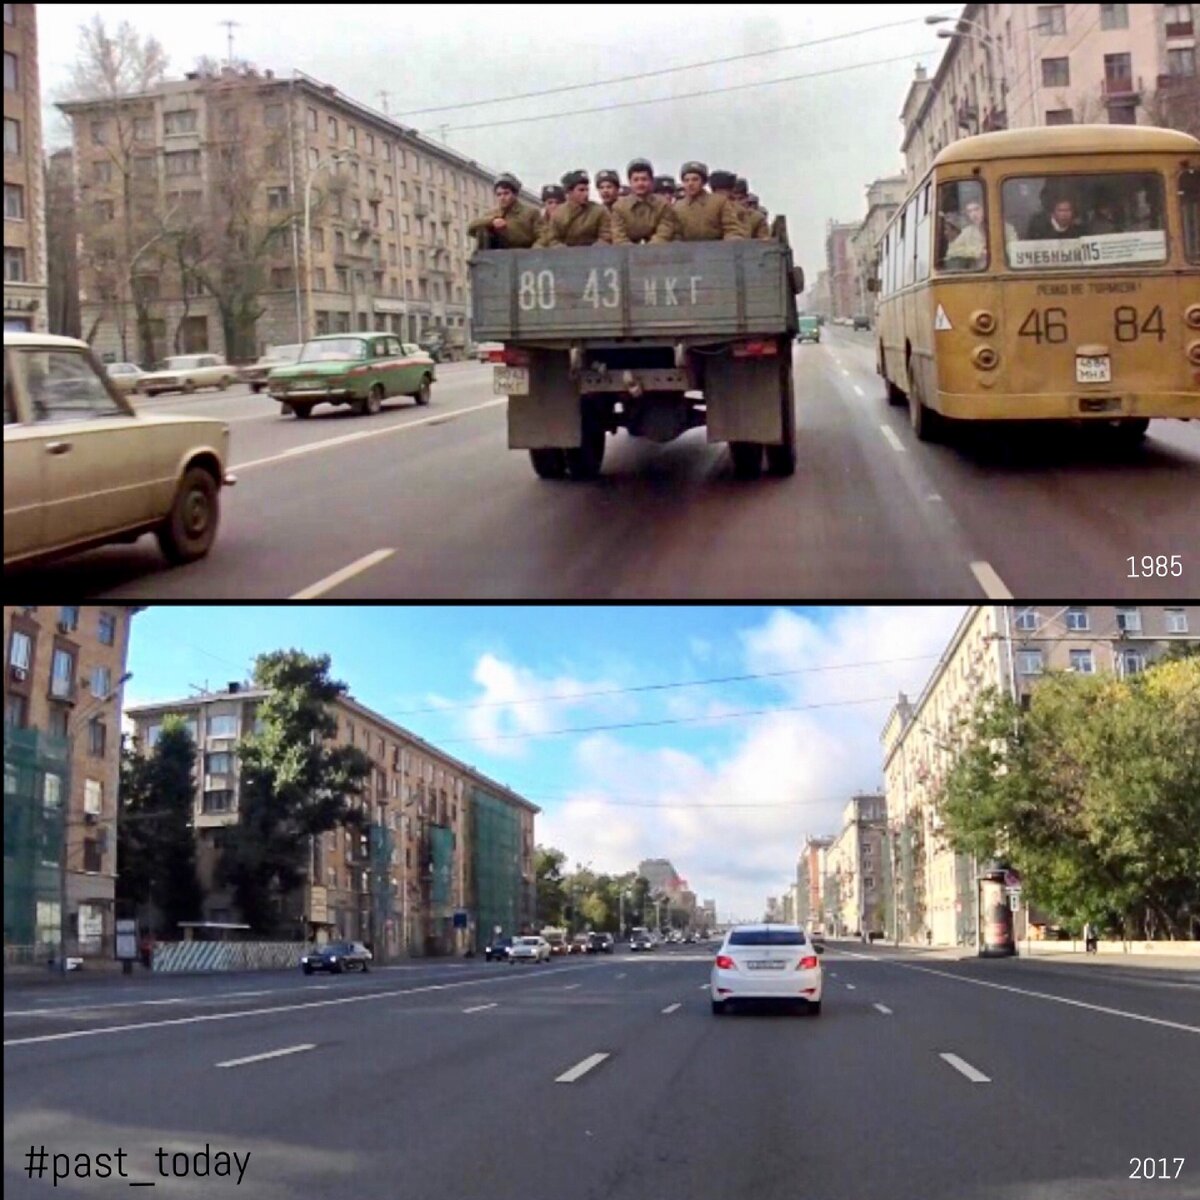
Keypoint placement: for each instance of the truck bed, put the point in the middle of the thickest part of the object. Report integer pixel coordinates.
(696, 290)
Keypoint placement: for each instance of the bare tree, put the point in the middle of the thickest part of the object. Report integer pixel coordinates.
(1175, 103)
(62, 269)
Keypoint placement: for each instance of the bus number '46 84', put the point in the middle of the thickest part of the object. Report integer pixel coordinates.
(1051, 324)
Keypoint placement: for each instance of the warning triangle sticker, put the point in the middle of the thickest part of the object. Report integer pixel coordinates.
(941, 321)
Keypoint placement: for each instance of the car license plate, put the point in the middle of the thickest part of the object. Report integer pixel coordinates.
(1093, 370)
(767, 964)
(511, 381)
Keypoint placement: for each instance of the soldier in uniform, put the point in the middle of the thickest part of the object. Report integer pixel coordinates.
(608, 184)
(511, 225)
(700, 216)
(642, 216)
(753, 221)
(580, 221)
(664, 186)
(552, 197)
(754, 203)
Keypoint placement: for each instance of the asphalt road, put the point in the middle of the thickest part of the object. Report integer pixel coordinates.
(430, 503)
(924, 1077)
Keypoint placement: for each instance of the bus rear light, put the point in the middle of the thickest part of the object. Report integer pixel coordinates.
(985, 358)
(1193, 353)
(1192, 316)
(983, 322)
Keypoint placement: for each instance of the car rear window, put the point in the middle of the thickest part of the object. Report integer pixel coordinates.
(767, 937)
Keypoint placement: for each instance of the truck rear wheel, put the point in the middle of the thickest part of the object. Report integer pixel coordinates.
(549, 462)
(781, 459)
(585, 462)
(747, 459)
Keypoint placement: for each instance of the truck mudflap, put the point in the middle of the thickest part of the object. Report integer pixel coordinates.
(743, 396)
(551, 415)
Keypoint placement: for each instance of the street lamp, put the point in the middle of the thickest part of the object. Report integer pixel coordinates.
(72, 729)
(332, 160)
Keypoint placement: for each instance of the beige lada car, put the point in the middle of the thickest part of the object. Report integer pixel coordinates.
(82, 467)
(187, 372)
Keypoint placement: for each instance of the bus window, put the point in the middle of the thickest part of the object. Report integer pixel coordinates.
(923, 233)
(962, 239)
(1115, 219)
(1189, 207)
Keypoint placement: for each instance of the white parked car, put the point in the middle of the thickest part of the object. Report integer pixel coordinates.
(82, 467)
(187, 372)
(767, 962)
(529, 949)
(126, 377)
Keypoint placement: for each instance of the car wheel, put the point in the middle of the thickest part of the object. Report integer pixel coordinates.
(337, 968)
(307, 969)
(747, 459)
(371, 404)
(366, 968)
(424, 392)
(814, 1007)
(301, 411)
(189, 529)
(720, 1007)
(188, 387)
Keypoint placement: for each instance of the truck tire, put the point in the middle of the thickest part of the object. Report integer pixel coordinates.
(584, 462)
(549, 462)
(781, 459)
(747, 459)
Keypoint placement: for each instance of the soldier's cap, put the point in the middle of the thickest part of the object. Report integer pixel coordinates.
(607, 176)
(664, 183)
(553, 192)
(508, 181)
(741, 188)
(638, 164)
(694, 168)
(752, 197)
(722, 180)
(572, 178)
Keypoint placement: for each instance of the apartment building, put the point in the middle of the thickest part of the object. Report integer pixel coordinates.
(64, 674)
(24, 207)
(853, 872)
(445, 855)
(839, 262)
(1009, 649)
(884, 196)
(384, 245)
(1013, 65)
(810, 883)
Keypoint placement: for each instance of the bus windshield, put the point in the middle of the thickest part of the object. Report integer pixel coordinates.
(1102, 220)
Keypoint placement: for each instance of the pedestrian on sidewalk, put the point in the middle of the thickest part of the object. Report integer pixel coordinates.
(1089, 938)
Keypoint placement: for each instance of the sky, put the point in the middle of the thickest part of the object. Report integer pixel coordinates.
(725, 779)
(808, 147)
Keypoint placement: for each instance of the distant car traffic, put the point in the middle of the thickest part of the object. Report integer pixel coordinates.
(579, 944)
(278, 356)
(641, 941)
(766, 962)
(82, 467)
(809, 330)
(600, 943)
(337, 957)
(498, 949)
(861, 321)
(125, 377)
(361, 370)
(530, 949)
(187, 372)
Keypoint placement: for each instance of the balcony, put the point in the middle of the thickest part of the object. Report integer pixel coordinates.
(1121, 86)
(374, 195)
(1180, 29)
(420, 209)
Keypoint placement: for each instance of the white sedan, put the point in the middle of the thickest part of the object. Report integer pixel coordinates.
(529, 949)
(187, 372)
(767, 962)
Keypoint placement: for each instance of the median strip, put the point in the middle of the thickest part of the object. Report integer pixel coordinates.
(581, 1069)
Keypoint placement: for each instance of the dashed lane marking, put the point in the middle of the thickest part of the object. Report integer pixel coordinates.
(991, 583)
(254, 1058)
(348, 572)
(965, 1068)
(580, 1069)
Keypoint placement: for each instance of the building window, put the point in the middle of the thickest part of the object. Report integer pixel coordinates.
(314, 158)
(1027, 619)
(219, 764)
(1129, 620)
(183, 121)
(277, 198)
(1176, 620)
(103, 211)
(58, 722)
(1114, 16)
(218, 801)
(371, 144)
(8, 15)
(281, 278)
(352, 135)
(93, 860)
(1181, 63)
(1132, 661)
(319, 279)
(1051, 19)
(311, 119)
(1029, 662)
(1077, 620)
(12, 136)
(274, 116)
(101, 681)
(14, 264)
(343, 285)
(143, 129)
(223, 726)
(331, 129)
(20, 652)
(1178, 20)
(1056, 72)
(1081, 662)
(62, 675)
(93, 797)
(182, 162)
(108, 629)
(10, 72)
(1118, 73)
(97, 737)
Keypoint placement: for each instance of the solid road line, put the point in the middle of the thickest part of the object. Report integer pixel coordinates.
(355, 568)
(992, 584)
(581, 1069)
(965, 1067)
(241, 1062)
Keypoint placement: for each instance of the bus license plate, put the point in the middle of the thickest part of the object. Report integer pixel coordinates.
(510, 381)
(1093, 370)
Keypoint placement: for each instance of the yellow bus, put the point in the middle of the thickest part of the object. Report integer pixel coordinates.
(1046, 274)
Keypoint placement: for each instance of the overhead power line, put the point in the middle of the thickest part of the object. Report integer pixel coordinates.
(737, 87)
(710, 62)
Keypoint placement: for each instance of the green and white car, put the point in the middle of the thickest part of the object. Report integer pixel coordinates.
(359, 369)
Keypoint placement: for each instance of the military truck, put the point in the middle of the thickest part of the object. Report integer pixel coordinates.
(654, 339)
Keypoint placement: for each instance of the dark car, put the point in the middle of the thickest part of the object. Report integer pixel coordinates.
(337, 957)
(600, 943)
(498, 949)
(862, 321)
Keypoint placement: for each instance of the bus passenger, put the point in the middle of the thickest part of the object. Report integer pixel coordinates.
(969, 249)
(1059, 222)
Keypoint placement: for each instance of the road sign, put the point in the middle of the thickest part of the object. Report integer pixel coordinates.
(460, 919)
(1014, 899)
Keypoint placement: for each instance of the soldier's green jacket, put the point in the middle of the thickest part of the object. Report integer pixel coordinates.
(523, 226)
(707, 218)
(643, 219)
(755, 224)
(578, 225)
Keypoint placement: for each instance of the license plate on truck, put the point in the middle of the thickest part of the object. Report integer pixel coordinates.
(510, 381)
(1096, 369)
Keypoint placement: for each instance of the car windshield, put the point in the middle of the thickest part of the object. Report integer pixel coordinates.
(64, 386)
(121, 369)
(334, 350)
(182, 364)
(530, 941)
(339, 948)
(767, 937)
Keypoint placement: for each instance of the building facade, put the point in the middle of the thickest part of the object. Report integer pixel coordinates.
(440, 840)
(854, 892)
(932, 888)
(884, 196)
(64, 674)
(384, 245)
(839, 262)
(1014, 65)
(24, 203)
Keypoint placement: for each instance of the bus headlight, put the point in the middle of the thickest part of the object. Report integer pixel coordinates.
(1193, 353)
(985, 358)
(983, 322)
(1192, 316)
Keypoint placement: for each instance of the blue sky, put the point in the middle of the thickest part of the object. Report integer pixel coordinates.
(728, 798)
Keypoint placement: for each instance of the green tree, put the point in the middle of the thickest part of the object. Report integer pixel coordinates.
(156, 844)
(551, 885)
(1093, 793)
(294, 786)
